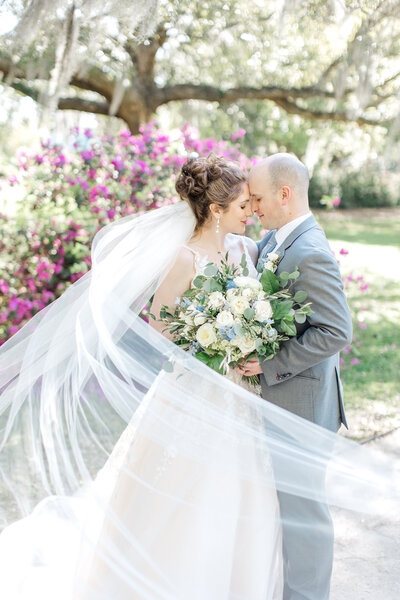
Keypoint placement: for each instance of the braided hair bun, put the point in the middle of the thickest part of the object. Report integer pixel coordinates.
(209, 180)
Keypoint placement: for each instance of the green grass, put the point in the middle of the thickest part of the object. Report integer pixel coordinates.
(380, 227)
(371, 387)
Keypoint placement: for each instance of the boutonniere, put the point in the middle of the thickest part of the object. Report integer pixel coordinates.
(269, 262)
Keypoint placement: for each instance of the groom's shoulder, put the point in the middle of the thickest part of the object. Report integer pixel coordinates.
(313, 245)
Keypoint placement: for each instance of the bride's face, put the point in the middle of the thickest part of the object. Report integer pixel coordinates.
(234, 219)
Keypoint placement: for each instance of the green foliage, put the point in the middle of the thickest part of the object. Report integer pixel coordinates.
(366, 189)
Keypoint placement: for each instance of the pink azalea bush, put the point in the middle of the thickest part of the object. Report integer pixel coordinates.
(71, 193)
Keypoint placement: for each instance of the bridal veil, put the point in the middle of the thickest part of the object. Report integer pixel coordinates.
(125, 462)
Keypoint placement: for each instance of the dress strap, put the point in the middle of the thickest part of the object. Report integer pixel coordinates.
(197, 259)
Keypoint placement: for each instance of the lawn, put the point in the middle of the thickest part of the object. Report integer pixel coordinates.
(371, 367)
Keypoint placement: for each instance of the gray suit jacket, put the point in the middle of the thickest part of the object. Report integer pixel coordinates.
(304, 376)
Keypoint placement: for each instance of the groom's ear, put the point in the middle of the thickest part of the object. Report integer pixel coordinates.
(285, 195)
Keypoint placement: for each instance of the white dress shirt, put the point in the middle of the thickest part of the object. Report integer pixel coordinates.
(284, 231)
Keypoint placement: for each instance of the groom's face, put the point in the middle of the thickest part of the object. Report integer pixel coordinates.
(266, 201)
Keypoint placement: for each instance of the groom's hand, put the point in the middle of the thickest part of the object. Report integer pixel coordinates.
(250, 367)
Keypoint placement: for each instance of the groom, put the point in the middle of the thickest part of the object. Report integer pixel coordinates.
(304, 376)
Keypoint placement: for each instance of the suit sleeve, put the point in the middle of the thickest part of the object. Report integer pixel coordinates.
(329, 327)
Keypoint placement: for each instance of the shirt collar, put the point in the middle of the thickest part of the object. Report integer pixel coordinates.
(284, 231)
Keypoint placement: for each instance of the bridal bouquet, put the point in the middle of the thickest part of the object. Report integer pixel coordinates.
(228, 317)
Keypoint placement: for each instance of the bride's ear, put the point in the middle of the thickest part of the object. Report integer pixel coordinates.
(215, 210)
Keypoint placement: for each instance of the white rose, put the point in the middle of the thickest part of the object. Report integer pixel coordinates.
(261, 295)
(216, 300)
(224, 319)
(248, 293)
(188, 319)
(231, 293)
(245, 345)
(239, 305)
(199, 319)
(250, 282)
(263, 310)
(270, 266)
(206, 335)
(272, 256)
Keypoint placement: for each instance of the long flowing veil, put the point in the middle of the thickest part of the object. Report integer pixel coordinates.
(97, 409)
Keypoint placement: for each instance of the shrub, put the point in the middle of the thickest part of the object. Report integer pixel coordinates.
(363, 188)
(71, 193)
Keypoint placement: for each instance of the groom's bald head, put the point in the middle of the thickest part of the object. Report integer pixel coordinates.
(286, 169)
(279, 188)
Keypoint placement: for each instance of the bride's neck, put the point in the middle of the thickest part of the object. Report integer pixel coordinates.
(208, 239)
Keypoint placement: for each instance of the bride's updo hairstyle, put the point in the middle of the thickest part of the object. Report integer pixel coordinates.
(209, 180)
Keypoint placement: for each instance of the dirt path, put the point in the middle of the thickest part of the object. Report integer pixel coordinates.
(367, 549)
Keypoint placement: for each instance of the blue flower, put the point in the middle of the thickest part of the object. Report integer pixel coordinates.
(231, 333)
(186, 302)
(227, 333)
(230, 284)
(200, 308)
(194, 347)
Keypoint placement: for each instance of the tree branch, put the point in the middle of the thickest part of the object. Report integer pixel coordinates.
(295, 109)
(188, 91)
(92, 106)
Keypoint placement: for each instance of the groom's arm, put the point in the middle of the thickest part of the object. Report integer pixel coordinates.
(330, 327)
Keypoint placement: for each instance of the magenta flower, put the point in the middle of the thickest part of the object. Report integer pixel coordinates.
(355, 361)
(87, 155)
(4, 286)
(343, 251)
(239, 134)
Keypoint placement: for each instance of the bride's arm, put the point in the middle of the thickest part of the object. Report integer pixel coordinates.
(173, 286)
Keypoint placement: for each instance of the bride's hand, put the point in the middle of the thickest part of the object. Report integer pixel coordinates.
(250, 367)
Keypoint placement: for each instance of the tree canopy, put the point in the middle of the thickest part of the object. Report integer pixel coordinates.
(335, 61)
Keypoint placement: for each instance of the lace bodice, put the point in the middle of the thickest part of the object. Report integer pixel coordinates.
(201, 260)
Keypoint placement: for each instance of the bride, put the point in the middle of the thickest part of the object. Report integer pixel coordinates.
(128, 468)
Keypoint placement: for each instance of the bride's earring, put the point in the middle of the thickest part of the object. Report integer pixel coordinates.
(217, 228)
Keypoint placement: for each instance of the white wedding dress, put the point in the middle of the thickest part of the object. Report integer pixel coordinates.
(222, 542)
(129, 469)
(154, 523)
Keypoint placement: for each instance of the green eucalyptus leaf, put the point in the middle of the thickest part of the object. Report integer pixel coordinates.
(245, 271)
(259, 345)
(211, 270)
(300, 317)
(300, 296)
(198, 281)
(249, 313)
(288, 328)
(215, 363)
(281, 309)
(284, 276)
(211, 285)
(269, 282)
(294, 275)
